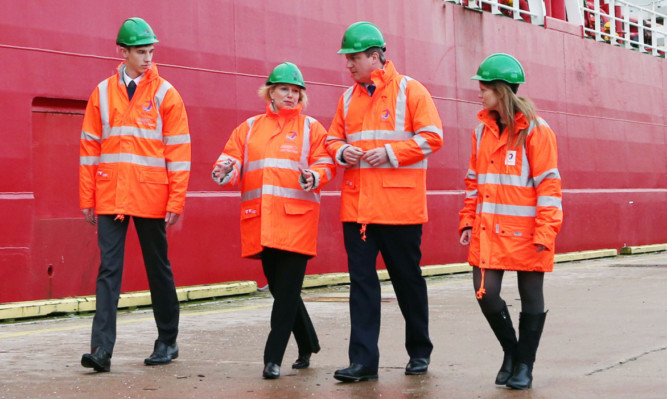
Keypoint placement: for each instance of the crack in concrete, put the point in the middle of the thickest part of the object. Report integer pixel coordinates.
(622, 362)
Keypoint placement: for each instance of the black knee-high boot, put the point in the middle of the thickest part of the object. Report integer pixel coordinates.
(530, 331)
(501, 324)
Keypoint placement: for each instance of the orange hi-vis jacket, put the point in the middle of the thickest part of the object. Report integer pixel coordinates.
(134, 155)
(270, 151)
(402, 117)
(513, 197)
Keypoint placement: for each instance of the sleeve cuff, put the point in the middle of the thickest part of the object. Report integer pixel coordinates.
(392, 157)
(340, 160)
(316, 180)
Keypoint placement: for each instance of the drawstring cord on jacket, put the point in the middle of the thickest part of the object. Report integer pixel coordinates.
(481, 291)
(363, 231)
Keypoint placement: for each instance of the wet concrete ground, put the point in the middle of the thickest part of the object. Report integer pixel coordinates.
(605, 336)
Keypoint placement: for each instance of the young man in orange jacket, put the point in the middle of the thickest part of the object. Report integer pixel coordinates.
(134, 162)
(384, 128)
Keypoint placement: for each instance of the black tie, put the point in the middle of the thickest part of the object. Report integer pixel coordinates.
(131, 88)
(371, 89)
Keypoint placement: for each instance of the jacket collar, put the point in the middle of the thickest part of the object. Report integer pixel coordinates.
(382, 77)
(285, 113)
(489, 120)
(149, 75)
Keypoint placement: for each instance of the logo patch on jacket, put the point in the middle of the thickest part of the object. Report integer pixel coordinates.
(147, 107)
(385, 114)
(291, 135)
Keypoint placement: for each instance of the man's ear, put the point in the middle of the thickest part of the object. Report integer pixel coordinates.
(124, 51)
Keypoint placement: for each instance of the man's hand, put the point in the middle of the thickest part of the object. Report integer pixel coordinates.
(352, 155)
(89, 215)
(171, 218)
(376, 156)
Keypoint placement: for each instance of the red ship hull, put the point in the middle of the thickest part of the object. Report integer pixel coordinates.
(606, 105)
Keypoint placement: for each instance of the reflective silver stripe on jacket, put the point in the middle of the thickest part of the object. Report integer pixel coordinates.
(159, 97)
(507, 210)
(280, 192)
(133, 131)
(250, 121)
(378, 135)
(271, 163)
(545, 200)
(401, 104)
(506, 180)
(305, 146)
(87, 136)
(177, 139)
(432, 129)
(549, 174)
(423, 164)
(89, 161)
(103, 89)
(178, 166)
(133, 159)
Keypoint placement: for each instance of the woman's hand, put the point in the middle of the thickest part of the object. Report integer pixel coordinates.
(307, 176)
(465, 236)
(222, 169)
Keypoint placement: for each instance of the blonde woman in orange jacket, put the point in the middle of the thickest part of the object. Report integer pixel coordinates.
(281, 162)
(512, 212)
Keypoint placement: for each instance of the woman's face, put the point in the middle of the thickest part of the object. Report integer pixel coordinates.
(284, 96)
(489, 97)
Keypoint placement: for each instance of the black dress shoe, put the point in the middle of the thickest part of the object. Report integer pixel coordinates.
(302, 362)
(271, 371)
(417, 366)
(162, 354)
(355, 373)
(100, 360)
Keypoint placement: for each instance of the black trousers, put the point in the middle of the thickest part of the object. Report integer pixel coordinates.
(284, 271)
(153, 240)
(400, 249)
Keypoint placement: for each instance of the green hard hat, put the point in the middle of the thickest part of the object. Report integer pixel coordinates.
(286, 73)
(500, 66)
(135, 32)
(360, 36)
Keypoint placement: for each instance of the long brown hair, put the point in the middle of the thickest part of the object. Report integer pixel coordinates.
(510, 104)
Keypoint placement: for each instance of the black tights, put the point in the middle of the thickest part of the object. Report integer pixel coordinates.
(530, 290)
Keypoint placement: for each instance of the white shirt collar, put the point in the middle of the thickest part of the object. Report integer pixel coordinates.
(127, 79)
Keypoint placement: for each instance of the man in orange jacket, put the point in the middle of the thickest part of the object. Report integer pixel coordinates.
(134, 162)
(384, 128)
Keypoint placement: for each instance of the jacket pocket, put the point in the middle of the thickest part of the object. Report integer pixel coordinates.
(154, 176)
(516, 231)
(391, 180)
(298, 208)
(349, 185)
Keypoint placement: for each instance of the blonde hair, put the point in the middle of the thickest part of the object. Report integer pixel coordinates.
(264, 91)
(510, 104)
